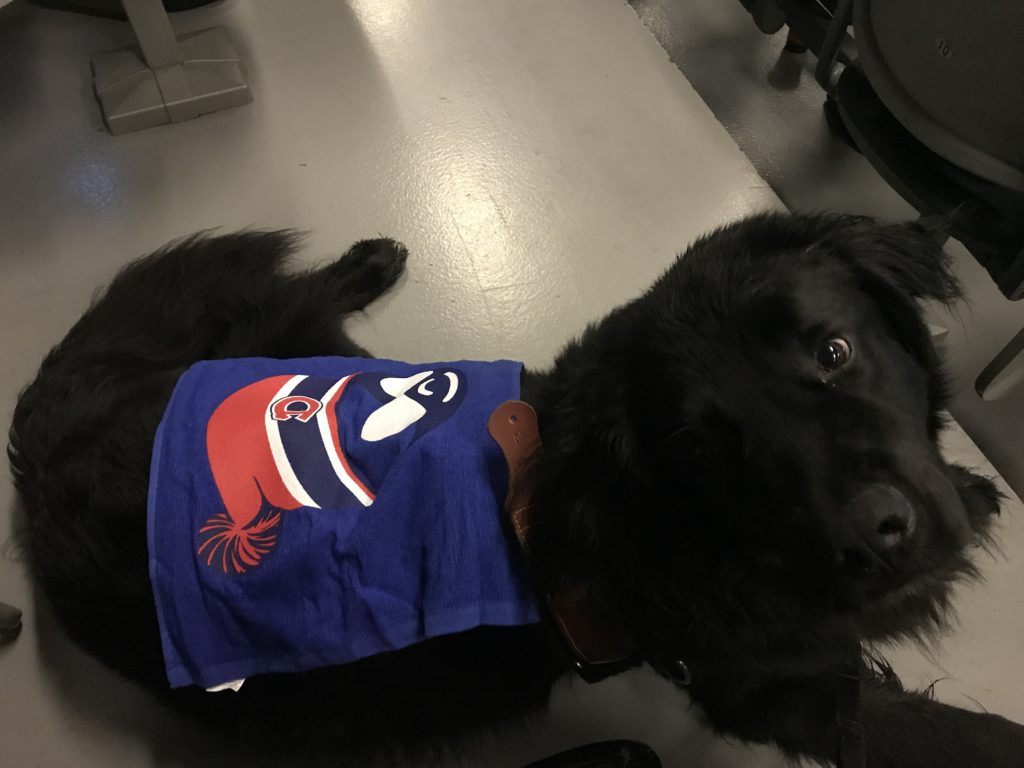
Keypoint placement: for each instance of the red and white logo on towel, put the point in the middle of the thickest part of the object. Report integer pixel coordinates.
(278, 444)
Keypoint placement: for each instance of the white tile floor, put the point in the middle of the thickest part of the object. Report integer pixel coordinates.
(542, 160)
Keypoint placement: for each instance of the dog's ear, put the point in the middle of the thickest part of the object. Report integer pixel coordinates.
(908, 256)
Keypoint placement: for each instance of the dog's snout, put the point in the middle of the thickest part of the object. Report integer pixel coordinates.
(882, 516)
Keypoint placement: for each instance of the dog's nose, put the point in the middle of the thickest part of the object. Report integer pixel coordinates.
(882, 516)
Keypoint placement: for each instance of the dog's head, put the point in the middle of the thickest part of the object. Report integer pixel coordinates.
(749, 452)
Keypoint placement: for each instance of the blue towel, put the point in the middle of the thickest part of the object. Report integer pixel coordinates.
(305, 513)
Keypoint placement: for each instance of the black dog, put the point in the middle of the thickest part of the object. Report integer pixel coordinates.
(740, 469)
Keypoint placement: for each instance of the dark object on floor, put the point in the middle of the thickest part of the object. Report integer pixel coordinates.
(740, 471)
(934, 103)
(10, 622)
(112, 9)
(794, 44)
(766, 15)
(835, 123)
(605, 754)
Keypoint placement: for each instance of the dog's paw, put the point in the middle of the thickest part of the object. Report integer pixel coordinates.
(374, 265)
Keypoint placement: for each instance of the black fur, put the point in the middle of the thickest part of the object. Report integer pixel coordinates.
(696, 480)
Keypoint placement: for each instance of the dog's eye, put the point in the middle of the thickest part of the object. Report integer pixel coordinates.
(833, 354)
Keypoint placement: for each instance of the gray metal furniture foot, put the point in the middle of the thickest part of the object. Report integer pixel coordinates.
(167, 79)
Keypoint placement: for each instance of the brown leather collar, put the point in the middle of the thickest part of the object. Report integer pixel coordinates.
(599, 647)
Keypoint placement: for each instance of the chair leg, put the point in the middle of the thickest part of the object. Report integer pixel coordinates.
(1005, 371)
(168, 79)
(10, 622)
(794, 44)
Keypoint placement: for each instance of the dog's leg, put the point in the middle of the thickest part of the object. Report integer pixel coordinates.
(365, 273)
(901, 729)
(310, 306)
(910, 730)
